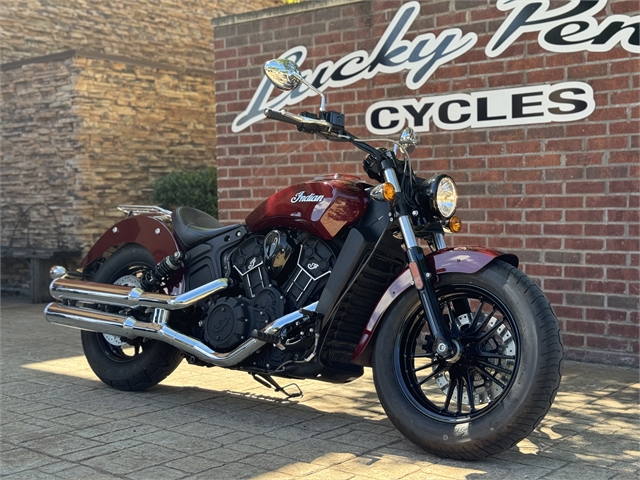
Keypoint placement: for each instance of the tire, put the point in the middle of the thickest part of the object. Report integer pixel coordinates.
(504, 381)
(128, 364)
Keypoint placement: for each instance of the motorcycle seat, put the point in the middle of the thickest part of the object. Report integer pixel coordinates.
(193, 226)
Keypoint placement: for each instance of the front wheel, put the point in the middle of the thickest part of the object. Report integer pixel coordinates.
(124, 363)
(505, 377)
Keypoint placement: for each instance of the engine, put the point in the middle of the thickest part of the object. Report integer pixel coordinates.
(277, 273)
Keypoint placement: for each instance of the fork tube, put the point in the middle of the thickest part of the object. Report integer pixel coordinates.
(422, 278)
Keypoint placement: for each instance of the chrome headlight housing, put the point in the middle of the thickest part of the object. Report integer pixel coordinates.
(439, 195)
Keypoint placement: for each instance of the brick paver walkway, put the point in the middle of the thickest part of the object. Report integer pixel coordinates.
(59, 421)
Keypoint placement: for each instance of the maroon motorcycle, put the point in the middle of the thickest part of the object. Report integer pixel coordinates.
(325, 278)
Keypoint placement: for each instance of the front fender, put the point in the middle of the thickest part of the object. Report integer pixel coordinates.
(144, 230)
(450, 260)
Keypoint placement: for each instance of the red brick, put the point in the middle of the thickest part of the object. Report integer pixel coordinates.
(523, 147)
(586, 327)
(544, 270)
(595, 230)
(624, 330)
(585, 187)
(524, 175)
(546, 75)
(609, 201)
(623, 273)
(624, 157)
(605, 287)
(505, 242)
(627, 216)
(563, 229)
(524, 202)
(590, 158)
(523, 229)
(583, 272)
(487, 176)
(506, 162)
(607, 343)
(580, 71)
(547, 160)
(486, 202)
(570, 340)
(564, 312)
(543, 243)
(564, 174)
(624, 244)
(584, 244)
(543, 215)
(606, 143)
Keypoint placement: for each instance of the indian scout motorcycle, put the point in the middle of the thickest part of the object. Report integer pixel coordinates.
(325, 278)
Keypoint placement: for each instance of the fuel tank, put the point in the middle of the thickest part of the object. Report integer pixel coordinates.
(322, 206)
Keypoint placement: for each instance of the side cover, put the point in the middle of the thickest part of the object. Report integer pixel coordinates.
(322, 206)
(451, 260)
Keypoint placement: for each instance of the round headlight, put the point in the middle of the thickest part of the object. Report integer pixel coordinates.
(446, 197)
(439, 196)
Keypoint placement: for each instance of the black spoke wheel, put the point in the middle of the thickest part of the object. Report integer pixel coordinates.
(501, 383)
(470, 387)
(125, 363)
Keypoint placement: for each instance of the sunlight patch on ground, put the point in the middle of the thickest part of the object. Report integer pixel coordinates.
(70, 366)
(548, 431)
(527, 447)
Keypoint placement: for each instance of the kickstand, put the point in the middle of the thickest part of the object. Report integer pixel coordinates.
(269, 382)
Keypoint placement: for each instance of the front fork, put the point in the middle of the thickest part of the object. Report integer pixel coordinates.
(423, 279)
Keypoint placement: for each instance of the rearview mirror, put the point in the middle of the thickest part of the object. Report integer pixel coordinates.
(283, 73)
(408, 140)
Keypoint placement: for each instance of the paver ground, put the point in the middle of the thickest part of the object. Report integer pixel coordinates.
(58, 421)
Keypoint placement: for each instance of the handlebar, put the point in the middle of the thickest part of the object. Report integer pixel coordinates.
(298, 120)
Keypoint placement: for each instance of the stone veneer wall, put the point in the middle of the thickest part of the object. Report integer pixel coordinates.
(39, 154)
(176, 32)
(83, 135)
(99, 100)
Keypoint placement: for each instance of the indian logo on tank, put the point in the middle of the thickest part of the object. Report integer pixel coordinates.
(311, 198)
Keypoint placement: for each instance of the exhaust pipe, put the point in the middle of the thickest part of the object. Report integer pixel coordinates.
(123, 326)
(103, 293)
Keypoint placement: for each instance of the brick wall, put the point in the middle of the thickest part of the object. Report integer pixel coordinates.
(562, 196)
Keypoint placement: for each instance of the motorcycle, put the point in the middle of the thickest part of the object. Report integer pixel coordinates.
(325, 278)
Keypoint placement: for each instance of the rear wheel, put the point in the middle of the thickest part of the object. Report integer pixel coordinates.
(503, 381)
(124, 363)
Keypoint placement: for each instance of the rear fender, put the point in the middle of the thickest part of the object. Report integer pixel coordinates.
(151, 233)
(450, 260)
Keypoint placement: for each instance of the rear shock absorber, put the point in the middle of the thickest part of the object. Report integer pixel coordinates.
(162, 272)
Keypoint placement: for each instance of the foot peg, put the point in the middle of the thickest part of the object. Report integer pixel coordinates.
(269, 382)
(267, 337)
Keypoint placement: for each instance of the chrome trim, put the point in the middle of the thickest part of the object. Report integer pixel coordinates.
(438, 240)
(132, 210)
(57, 272)
(102, 322)
(122, 296)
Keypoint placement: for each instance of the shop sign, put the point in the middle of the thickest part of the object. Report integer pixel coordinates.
(569, 28)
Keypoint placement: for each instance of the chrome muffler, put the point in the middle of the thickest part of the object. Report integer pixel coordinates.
(103, 293)
(126, 326)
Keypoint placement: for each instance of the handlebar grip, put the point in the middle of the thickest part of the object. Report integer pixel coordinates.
(280, 115)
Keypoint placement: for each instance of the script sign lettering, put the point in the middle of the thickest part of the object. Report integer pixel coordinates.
(569, 28)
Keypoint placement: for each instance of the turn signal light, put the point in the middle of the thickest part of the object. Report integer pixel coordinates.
(455, 224)
(388, 192)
